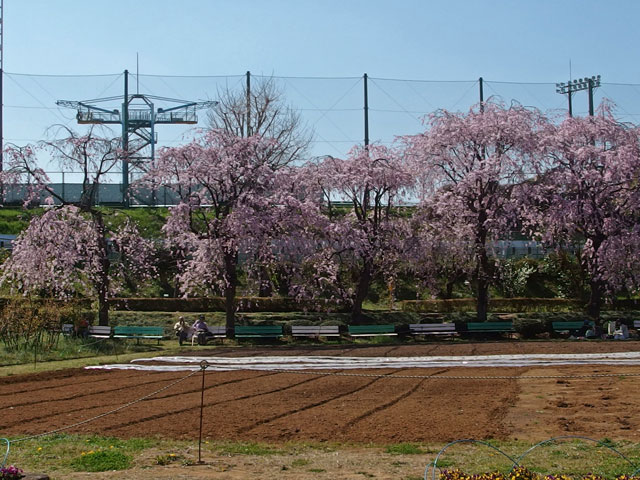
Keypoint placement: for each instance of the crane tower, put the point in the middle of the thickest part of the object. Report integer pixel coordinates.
(138, 116)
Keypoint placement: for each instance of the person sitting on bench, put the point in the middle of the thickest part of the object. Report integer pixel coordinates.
(620, 330)
(201, 330)
(181, 328)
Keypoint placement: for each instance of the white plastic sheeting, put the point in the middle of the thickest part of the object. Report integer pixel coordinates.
(177, 364)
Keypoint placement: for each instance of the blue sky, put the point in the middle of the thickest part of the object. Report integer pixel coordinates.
(527, 42)
(513, 40)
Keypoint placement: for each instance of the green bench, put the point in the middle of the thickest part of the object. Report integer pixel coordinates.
(490, 327)
(371, 330)
(258, 331)
(153, 333)
(568, 327)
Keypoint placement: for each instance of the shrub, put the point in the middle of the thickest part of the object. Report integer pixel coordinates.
(530, 327)
(28, 323)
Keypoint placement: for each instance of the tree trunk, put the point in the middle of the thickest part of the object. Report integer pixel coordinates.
(103, 277)
(482, 269)
(482, 303)
(266, 287)
(230, 265)
(597, 287)
(362, 290)
(103, 309)
(595, 300)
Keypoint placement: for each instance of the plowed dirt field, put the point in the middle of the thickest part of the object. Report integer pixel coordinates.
(372, 405)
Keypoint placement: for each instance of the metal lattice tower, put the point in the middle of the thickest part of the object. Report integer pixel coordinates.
(138, 117)
(1, 77)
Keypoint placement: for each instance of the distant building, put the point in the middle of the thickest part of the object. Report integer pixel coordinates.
(519, 248)
(6, 241)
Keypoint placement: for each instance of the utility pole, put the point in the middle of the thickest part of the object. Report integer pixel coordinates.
(1, 85)
(481, 84)
(366, 112)
(125, 140)
(591, 82)
(248, 103)
(572, 86)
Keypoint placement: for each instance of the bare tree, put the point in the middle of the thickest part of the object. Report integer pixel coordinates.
(260, 109)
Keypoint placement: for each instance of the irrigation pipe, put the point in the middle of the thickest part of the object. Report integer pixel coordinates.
(122, 407)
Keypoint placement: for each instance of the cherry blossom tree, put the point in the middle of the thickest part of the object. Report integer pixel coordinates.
(473, 160)
(588, 193)
(93, 157)
(229, 206)
(361, 195)
(60, 254)
(436, 254)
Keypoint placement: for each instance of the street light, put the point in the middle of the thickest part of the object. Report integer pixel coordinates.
(572, 86)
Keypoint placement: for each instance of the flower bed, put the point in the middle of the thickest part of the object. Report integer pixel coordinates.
(521, 473)
(11, 472)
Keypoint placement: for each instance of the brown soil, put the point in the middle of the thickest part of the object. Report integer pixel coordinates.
(278, 407)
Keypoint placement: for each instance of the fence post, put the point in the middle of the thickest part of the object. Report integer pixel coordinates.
(203, 366)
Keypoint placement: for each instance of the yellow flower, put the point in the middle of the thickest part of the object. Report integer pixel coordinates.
(39, 448)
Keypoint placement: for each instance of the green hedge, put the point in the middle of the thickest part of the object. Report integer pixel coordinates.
(216, 304)
(503, 305)
(512, 305)
(83, 303)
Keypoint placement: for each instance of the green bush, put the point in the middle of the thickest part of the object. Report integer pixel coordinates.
(26, 323)
(530, 327)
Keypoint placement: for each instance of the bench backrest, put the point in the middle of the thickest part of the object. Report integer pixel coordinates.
(133, 331)
(432, 327)
(490, 326)
(99, 330)
(67, 328)
(315, 330)
(371, 329)
(217, 329)
(259, 330)
(636, 324)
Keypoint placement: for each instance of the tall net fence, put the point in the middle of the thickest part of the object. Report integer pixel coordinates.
(332, 108)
